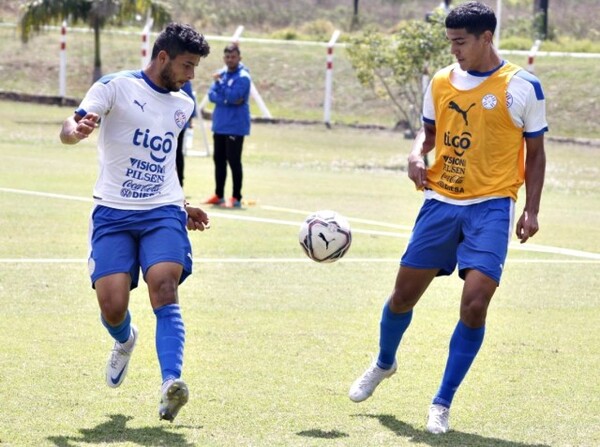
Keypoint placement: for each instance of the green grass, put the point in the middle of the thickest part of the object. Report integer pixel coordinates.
(273, 339)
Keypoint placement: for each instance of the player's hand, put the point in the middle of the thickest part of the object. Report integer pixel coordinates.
(527, 226)
(417, 171)
(86, 125)
(216, 76)
(197, 219)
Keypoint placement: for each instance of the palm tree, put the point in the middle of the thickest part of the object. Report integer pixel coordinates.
(97, 13)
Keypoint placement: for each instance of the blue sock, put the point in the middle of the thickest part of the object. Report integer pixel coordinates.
(464, 345)
(170, 340)
(122, 331)
(392, 327)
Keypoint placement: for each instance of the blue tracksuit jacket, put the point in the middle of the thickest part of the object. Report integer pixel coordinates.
(231, 117)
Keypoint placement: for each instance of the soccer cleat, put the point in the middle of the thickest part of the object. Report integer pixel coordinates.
(214, 200)
(363, 387)
(232, 202)
(437, 420)
(175, 395)
(118, 361)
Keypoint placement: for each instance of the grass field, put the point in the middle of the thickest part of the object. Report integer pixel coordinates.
(273, 339)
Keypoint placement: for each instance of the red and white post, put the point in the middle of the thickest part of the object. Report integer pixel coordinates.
(145, 51)
(62, 72)
(531, 56)
(329, 79)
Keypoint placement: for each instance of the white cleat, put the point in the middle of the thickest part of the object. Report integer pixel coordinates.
(118, 361)
(175, 395)
(438, 419)
(365, 385)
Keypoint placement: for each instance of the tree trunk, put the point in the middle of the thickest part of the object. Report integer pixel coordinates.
(97, 61)
(540, 14)
(355, 21)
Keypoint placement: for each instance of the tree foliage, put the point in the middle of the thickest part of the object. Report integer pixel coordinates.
(393, 66)
(96, 13)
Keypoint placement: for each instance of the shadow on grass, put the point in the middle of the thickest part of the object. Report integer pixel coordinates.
(322, 434)
(115, 431)
(451, 438)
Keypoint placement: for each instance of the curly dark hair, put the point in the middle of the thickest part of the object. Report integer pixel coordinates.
(178, 38)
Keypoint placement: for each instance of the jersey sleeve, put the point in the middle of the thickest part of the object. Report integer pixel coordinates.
(527, 89)
(99, 99)
(428, 106)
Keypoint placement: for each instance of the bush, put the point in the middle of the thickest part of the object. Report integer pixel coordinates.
(318, 29)
(516, 43)
(571, 45)
(285, 34)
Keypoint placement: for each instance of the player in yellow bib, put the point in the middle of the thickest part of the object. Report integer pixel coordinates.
(485, 120)
(479, 148)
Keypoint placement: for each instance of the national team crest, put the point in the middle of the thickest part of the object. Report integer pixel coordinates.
(180, 118)
(489, 101)
(509, 100)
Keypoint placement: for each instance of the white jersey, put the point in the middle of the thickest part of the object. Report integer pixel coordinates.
(525, 97)
(139, 126)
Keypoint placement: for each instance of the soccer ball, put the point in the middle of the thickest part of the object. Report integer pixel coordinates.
(325, 236)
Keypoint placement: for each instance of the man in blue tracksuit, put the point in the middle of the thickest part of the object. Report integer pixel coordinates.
(229, 92)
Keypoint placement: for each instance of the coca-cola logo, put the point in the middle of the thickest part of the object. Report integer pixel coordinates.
(133, 190)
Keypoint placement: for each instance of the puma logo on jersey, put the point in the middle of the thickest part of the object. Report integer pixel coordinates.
(135, 101)
(457, 108)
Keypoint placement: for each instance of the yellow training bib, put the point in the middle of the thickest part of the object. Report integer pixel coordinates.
(479, 151)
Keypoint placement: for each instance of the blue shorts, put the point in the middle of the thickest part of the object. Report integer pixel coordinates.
(474, 236)
(123, 241)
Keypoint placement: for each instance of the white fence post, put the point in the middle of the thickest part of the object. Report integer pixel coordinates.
(259, 101)
(236, 36)
(499, 18)
(62, 72)
(329, 79)
(203, 131)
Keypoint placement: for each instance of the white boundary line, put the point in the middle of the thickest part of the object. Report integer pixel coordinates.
(230, 215)
(287, 261)
(353, 219)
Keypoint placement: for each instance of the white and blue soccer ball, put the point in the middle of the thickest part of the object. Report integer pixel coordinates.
(325, 236)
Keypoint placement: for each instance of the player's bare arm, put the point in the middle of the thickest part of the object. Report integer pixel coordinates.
(423, 143)
(197, 219)
(535, 168)
(75, 128)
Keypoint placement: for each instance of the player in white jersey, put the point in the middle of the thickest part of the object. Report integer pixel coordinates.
(140, 217)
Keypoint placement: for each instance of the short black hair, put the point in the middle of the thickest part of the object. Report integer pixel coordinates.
(474, 17)
(232, 48)
(178, 38)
